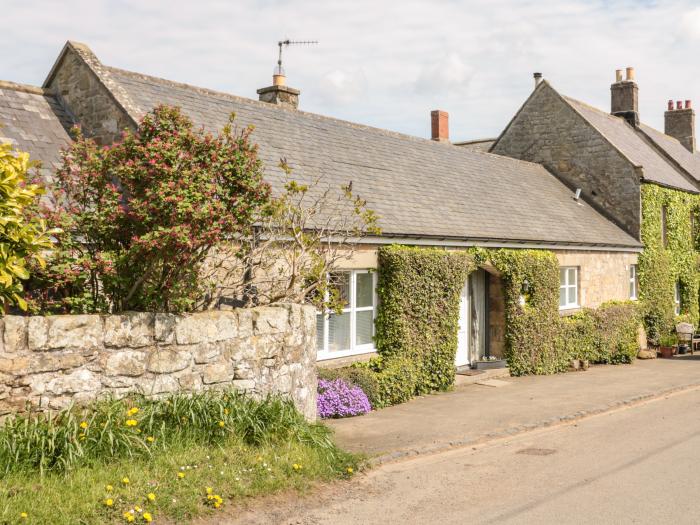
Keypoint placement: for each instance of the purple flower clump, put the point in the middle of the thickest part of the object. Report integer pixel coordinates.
(338, 399)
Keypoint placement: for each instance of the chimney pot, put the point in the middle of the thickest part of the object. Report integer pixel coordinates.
(629, 72)
(679, 104)
(670, 105)
(538, 78)
(624, 97)
(618, 75)
(439, 125)
(688, 104)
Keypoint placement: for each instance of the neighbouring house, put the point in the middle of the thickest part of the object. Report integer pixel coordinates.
(645, 181)
(426, 192)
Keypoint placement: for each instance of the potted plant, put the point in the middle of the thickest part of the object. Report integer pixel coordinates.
(488, 362)
(667, 345)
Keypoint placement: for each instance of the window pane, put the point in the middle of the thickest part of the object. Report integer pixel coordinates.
(632, 289)
(339, 332)
(572, 295)
(562, 276)
(562, 296)
(341, 282)
(365, 293)
(363, 326)
(319, 331)
(572, 276)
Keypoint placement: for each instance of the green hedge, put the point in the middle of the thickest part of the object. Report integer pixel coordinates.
(607, 334)
(661, 266)
(417, 320)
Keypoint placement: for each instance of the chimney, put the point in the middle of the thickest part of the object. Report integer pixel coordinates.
(279, 93)
(680, 123)
(538, 78)
(439, 126)
(624, 100)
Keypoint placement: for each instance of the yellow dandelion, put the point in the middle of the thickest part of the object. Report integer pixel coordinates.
(129, 516)
(137, 508)
(109, 488)
(133, 411)
(209, 490)
(180, 475)
(82, 437)
(151, 496)
(226, 411)
(222, 424)
(147, 517)
(150, 439)
(109, 502)
(349, 470)
(83, 424)
(210, 497)
(23, 515)
(125, 480)
(131, 422)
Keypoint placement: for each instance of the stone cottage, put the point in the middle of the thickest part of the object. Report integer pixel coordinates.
(644, 180)
(426, 192)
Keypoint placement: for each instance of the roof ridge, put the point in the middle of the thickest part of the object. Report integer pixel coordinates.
(24, 88)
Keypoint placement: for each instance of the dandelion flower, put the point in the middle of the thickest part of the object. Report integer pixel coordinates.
(83, 424)
(125, 480)
(150, 439)
(23, 515)
(147, 517)
(226, 411)
(137, 508)
(222, 424)
(133, 411)
(131, 422)
(109, 488)
(151, 496)
(129, 516)
(209, 490)
(180, 475)
(349, 470)
(109, 502)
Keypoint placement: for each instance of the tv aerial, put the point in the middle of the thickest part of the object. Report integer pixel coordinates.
(286, 43)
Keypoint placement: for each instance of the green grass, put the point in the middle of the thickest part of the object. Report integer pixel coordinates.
(57, 472)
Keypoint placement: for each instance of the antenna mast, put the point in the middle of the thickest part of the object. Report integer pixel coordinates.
(287, 43)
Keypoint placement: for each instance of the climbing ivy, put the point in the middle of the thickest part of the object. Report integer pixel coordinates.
(661, 266)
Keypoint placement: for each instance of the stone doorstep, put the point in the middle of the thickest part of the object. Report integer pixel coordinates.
(494, 373)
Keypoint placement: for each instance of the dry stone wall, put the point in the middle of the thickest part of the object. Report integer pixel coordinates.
(53, 361)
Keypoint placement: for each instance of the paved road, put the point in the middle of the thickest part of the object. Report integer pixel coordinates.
(637, 465)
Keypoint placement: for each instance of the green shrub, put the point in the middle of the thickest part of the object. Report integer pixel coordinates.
(137, 426)
(577, 336)
(417, 320)
(359, 375)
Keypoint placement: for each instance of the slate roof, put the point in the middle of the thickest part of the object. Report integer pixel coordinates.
(483, 145)
(690, 162)
(34, 122)
(418, 187)
(636, 146)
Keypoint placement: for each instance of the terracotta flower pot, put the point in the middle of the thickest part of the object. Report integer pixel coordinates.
(667, 352)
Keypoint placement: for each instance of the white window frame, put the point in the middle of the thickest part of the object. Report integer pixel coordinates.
(566, 285)
(634, 283)
(355, 349)
(677, 298)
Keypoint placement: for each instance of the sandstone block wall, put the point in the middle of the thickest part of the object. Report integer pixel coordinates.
(53, 361)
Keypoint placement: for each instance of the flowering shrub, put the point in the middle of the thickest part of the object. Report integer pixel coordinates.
(140, 217)
(338, 399)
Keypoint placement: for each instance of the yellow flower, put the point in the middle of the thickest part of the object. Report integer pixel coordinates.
(109, 502)
(147, 517)
(180, 475)
(128, 516)
(109, 488)
(259, 458)
(137, 508)
(82, 437)
(150, 439)
(125, 480)
(222, 424)
(296, 466)
(133, 411)
(209, 490)
(210, 497)
(349, 469)
(83, 425)
(23, 515)
(217, 504)
(151, 496)
(131, 422)
(226, 411)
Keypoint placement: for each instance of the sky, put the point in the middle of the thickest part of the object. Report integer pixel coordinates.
(380, 63)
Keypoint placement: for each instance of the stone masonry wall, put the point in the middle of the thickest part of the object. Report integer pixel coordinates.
(53, 361)
(550, 132)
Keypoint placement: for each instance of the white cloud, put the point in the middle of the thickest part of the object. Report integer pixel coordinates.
(384, 63)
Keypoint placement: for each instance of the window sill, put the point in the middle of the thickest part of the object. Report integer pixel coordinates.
(326, 355)
(569, 310)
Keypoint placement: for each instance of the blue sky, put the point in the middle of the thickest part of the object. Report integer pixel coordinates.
(380, 63)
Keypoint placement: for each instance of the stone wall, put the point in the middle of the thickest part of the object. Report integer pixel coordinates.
(549, 131)
(603, 276)
(53, 361)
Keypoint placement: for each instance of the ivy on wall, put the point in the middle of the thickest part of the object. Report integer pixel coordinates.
(417, 320)
(661, 266)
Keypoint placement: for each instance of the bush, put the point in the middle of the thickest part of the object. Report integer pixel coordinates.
(137, 426)
(358, 375)
(140, 217)
(417, 320)
(21, 238)
(338, 399)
